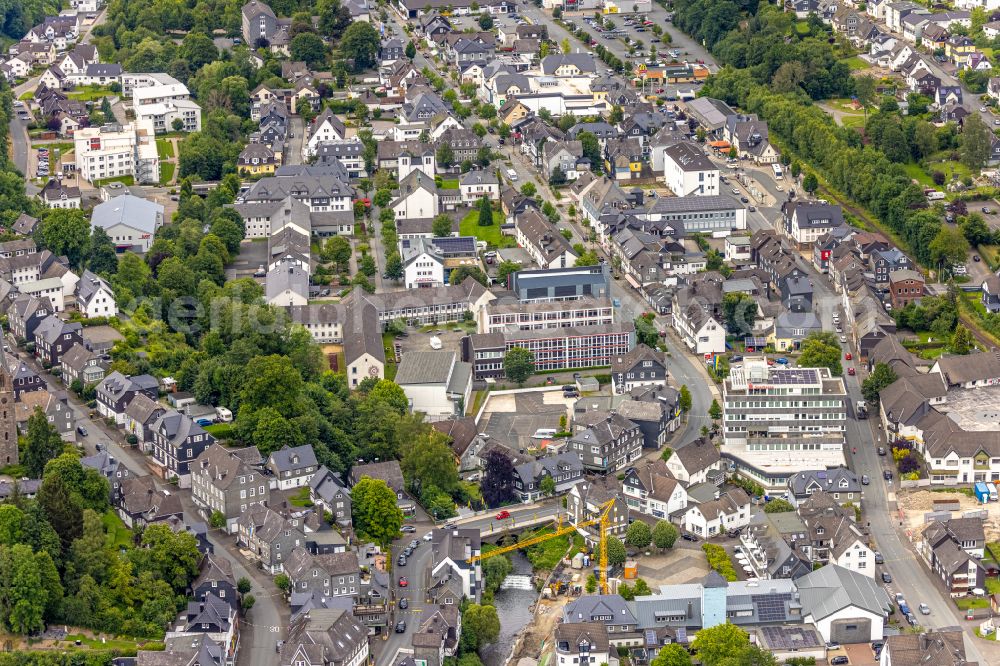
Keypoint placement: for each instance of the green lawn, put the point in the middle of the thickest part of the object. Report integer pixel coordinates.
(853, 122)
(546, 555)
(127, 180)
(90, 93)
(166, 172)
(975, 602)
(855, 63)
(220, 430)
(301, 498)
(449, 184)
(802, 28)
(62, 146)
(165, 148)
(916, 172)
(469, 226)
(27, 95)
(119, 536)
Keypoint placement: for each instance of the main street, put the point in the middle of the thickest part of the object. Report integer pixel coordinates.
(268, 621)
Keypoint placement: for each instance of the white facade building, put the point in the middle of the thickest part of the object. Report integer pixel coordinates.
(112, 151)
(687, 171)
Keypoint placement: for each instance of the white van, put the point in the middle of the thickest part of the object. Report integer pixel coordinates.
(511, 174)
(223, 415)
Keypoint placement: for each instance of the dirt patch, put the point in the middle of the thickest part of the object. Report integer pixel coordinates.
(547, 615)
(915, 503)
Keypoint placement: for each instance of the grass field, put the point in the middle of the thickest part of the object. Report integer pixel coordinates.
(469, 226)
(127, 180)
(916, 172)
(855, 63)
(119, 536)
(220, 430)
(166, 172)
(90, 93)
(164, 148)
(449, 184)
(802, 28)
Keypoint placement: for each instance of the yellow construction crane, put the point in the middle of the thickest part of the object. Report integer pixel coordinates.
(603, 519)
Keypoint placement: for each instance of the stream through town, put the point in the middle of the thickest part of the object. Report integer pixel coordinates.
(513, 603)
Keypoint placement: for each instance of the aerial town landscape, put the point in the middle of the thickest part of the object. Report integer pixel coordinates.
(499, 332)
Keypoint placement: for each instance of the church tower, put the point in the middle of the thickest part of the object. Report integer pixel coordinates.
(8, 427)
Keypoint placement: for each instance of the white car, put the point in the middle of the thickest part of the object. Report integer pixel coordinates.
(428, 536)
(982, 109)
(843, 338)
(736, 191)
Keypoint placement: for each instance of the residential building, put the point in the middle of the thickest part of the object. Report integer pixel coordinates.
(328, 492)
(54, 337)
(269, 537)
(391, 474)
(547, 247)
(643, 366)
(222, 481)
(477, 184)
(608, 445)
(652, 490)
(79, 363)
(116, 391)
(95, 297)
(565, 470)
(609, 610)
(692, 463)
(450, 551)
(330, 574)
(728, 510)
(57, 195)
(581, 642)
(110, 151)
(325, 637)
(806, 221)
(905, 287)
(292, 467)
(586, 311)
(138, 502)
(845, 606)
(177, 443)
(841, 484)
(938, 647)
(687, 171)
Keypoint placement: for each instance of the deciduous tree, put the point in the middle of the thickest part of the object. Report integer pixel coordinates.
(638, 535)
(664, 534)
(518, 365)
(498, 478)
(374, 511)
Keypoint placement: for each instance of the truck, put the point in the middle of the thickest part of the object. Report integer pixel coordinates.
(862, 409)
(982, 492)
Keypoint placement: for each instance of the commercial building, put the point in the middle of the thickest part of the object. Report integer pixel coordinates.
(588, 311)
(702, 214)
(778, 421)
(561, 284)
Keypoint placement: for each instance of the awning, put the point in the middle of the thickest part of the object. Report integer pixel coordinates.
(632, 281)
(719, 144)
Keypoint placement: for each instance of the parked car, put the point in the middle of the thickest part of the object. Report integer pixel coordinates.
(865, 480)
(401, 560)
(881, 450)
(407, 529)
(401, 627)
(82, 431)
(878, 558)
(687, 536)
(924, 609)
(403, 582)
(851, 371)
(428, 536)
(403, 603)
(839, 660)
(203, 422)
(848, 356)
(450, 526)
(887, 475)
(886, 577)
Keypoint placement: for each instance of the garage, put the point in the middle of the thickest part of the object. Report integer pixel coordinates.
(851, 630)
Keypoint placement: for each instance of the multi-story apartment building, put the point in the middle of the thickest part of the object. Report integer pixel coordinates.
(587, 311)
(611, 444)
(561, 284)
(554, 348)
(223, 481)
(177, 443)
(777, 421)
(109, 151)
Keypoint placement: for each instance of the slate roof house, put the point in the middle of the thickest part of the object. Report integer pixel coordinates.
(138, 502)
(565, 469)
(332, 574)
(177, 442)
(54, 337)
(292, 467)
(608, 445)
(269, 536)
(116, 391)
(327, 492)
(642, 366)
(228, 481)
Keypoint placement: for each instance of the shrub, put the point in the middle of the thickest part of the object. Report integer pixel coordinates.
(719, 560)
(909, 465)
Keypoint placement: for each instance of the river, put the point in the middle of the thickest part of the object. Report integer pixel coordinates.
(513, 602)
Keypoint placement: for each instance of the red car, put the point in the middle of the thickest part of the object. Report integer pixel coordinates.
(847, 356)
(850, 371)
(403, 582)
(366, 202)
(503, 515)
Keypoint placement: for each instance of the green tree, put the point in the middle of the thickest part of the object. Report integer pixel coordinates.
(672, 655)
(25, 596)
(485, 21)
(338, 250)
(217, 520)
(810, 183)
(547, 485)
(485, 212)
(458, 275)
(820, 350)
(102, 258)
(308, 47)
(65, 231)
(529, 189)
(962, 341)
(374, 511)
(441, 226)
(718, 644)
(243, 585)
(948, 247)
(974, 143)
(505, 268)
(715, 410)
(591, 148)
(445, 155)
(664, 534)
(247, 601)
(428, 460)
(882, 375)
(518, 365)
(394, 267)
(62, 509)
(864, 91)
(638, 535)
(42, 444)
(482, 624)
(616, 551)
(283, 582)
(739, 310)
(411, 50)
(778, 505)
(367, 265)
(495, 570)
(685, 398)
(591, 585)
(198, 49)
(360, 43)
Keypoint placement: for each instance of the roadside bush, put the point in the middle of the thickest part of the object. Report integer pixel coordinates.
(719, 560)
